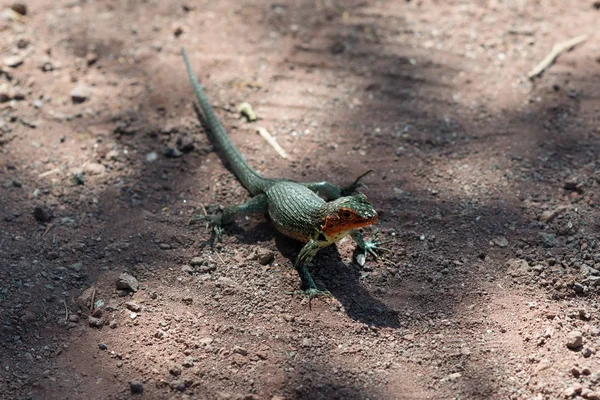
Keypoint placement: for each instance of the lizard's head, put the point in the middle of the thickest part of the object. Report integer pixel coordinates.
(347, 213)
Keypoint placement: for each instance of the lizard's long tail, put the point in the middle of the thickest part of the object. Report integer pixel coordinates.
(252, 180)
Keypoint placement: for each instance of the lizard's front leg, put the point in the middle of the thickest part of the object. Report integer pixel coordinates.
(304, 259)
(369, 246)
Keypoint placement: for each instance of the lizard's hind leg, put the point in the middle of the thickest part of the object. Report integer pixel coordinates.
(324, 188)
(331, 191)
(256, 205)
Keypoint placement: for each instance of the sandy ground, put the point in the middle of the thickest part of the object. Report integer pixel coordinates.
(486, 182)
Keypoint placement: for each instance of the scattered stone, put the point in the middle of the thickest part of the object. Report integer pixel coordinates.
(165, 246)
(264, 256)
(584, 314)
(178, 385)
(172, 152)
(175, 370)
(78, 179)
(136, 387)
(207, 268)
(4, 126)
(160, 334)
(574, 340)
(76, 266)
(151, 157)
(517, 267)
(112, 324)
(337, 48)
(500, 241)
(548, 239)
(80, 93)
(185, 144)
(18, 94)
(29, 123)
(12, 61)
(91, 58)
(196, 261)
(177, 30)
(85, 299)
(22, 43)
(95, 169)
(187, 300)
(19, 8)
(127, 282)
(133, 306)
(593, 394)
(73, 318)
(578, 288)
(188, 362)
(4, 95)
(47, 66)
(187, 268)
(240, 350)
(549, 215)
(112, 155)
(451, 377)
(569, 392)
(95, 322)
(102, 346)
(573, 186)
(587, 352)
(42, 214)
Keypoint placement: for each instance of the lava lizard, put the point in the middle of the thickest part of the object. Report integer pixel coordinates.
(295, 208)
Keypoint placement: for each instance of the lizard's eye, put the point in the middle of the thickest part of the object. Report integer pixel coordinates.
(346, 214)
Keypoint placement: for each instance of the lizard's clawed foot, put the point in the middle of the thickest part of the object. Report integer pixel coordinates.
(312, 293)
(373, 247)
(354, 186)
(214, 221)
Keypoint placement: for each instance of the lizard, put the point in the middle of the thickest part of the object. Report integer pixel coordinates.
(318, 214)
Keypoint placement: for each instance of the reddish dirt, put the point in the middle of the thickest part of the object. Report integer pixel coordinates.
(487, 184)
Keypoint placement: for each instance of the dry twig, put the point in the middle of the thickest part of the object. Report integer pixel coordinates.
(52, 171)
(48, 227)
(93, 298)
(272, 141)
(66, 310)
(557, 50)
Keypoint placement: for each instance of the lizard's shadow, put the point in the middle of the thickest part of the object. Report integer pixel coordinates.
(343, 281)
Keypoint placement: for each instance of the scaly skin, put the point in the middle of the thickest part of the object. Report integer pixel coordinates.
(295, 208)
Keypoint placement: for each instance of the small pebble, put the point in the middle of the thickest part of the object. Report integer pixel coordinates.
(136, 387)
(127, 282)
(80, 93)
(574, 340)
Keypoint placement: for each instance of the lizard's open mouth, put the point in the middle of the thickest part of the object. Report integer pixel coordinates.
(332, 228)
(367, 222)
